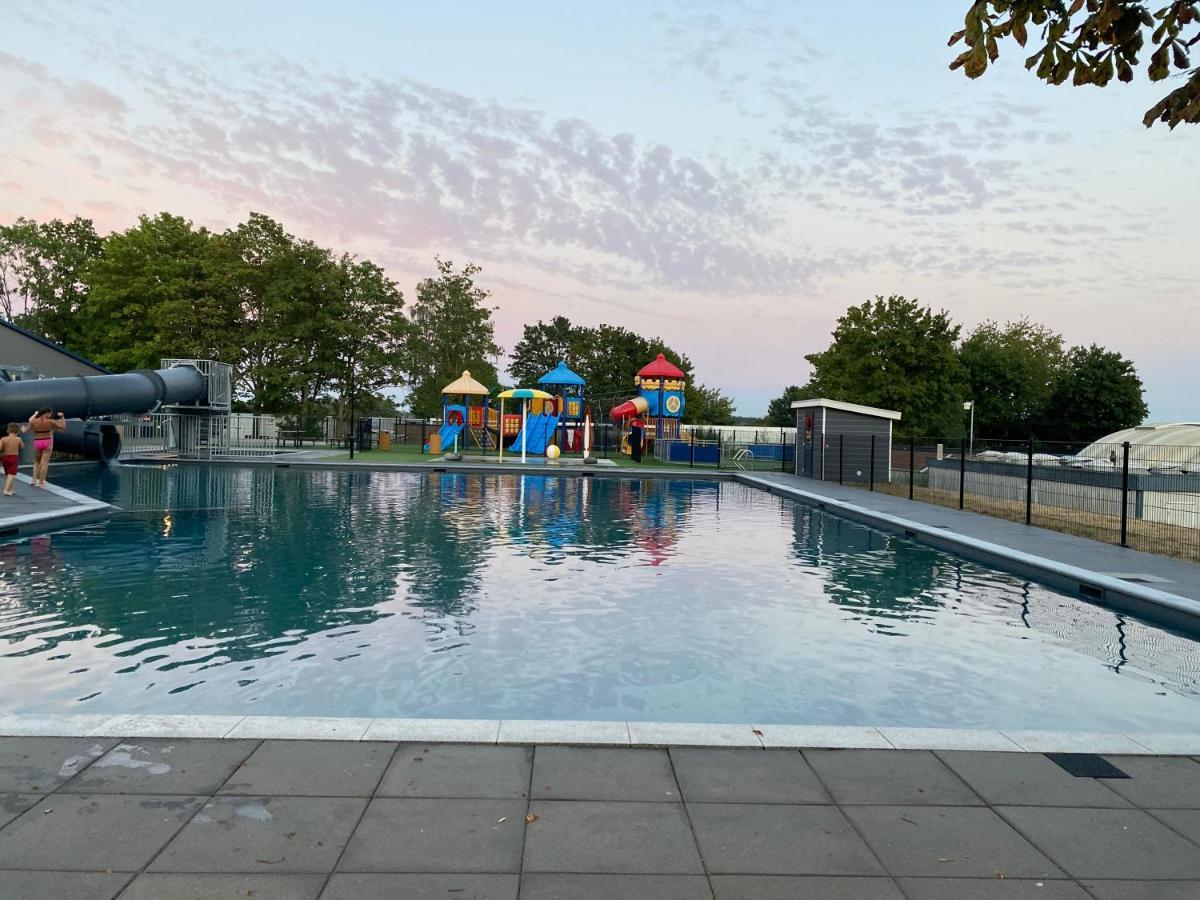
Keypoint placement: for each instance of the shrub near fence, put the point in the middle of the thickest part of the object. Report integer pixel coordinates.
(1147, 498)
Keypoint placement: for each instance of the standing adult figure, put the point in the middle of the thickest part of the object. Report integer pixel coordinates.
(637, 433)
(43, 424)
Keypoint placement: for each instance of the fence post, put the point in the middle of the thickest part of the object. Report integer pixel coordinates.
(692, 442)
(962, 472)
(1029, 483)
(841, 454)
(782, 452)
(872, 483)
(912, 465)
(1125, 494)
(718, 451)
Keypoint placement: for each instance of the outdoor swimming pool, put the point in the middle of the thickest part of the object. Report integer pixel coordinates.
(295, 591)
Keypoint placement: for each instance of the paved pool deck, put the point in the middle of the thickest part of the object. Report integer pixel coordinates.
(138, 818)
(34, 510)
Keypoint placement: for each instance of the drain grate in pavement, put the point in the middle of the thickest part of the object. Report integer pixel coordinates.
(1085, 765)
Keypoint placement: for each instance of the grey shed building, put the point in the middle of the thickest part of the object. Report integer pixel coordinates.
(838, 441)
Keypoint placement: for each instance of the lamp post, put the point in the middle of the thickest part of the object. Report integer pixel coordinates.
(970, 405)
(353, 430)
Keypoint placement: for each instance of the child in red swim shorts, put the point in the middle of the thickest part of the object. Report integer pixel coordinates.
(10, 453)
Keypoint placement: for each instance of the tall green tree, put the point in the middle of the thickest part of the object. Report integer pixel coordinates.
(1090, 42)
(1010, 371)
(779, 410)
(156, 291)
(707, 406)
(450, 328)
(542, 346)
(897, 354)
(365, 350)
(1097, 392)
(43, 266)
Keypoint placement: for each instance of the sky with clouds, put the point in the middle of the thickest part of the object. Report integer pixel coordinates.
(728, 175)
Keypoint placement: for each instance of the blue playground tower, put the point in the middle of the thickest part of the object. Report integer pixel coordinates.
(567, 388)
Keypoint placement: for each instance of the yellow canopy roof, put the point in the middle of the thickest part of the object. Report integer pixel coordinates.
(465, 384)
(525, 394)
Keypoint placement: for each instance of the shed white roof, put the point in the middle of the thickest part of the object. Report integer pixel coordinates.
(848, 407)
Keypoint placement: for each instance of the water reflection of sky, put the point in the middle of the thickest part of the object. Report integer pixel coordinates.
(256, 590)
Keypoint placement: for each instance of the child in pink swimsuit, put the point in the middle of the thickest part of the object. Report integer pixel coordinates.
(44, 423)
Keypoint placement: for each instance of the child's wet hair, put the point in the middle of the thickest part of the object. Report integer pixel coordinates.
(14, 428)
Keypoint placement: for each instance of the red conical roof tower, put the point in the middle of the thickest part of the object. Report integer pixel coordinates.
(661, 368)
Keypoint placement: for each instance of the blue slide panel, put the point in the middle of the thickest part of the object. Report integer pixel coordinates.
(449, 432)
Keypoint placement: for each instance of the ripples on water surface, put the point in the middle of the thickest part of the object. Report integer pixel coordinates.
(294, 592)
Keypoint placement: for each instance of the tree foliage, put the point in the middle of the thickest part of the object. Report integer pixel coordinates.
(42, 266)
(707, 405)
(1090, 42)
(450, 328)
(897, 354)
(606, 356)
(1098, 392)
(779, 410)
(1010, 372)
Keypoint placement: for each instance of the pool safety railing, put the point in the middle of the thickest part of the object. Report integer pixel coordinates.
(237, 435)
(1145, 497)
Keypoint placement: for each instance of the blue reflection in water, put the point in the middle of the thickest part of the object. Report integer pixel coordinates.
(258, 590)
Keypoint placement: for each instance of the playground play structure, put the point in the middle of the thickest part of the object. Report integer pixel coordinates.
(553, 416)
(189, 398)
(659, 402)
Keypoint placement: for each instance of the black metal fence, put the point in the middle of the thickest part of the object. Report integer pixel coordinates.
(1143, 496)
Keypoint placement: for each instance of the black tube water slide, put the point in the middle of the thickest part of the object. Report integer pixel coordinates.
(82, 397)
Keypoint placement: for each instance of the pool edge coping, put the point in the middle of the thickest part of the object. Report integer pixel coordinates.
(596, 733)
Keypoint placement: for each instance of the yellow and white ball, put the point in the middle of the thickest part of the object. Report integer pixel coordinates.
(552, 452)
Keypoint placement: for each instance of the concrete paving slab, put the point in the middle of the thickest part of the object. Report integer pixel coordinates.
(62, 885)
(76, 832)
(803, 887)
(769, 839)
(269, 835)
(575, 734)
(143, 726)
(438, 731)
(1160, 781)
(745, 776)
(162, 766)
(947, 739)
(610, 773)
(311, 769)
(1185, 821)
(821, 736)
(162, 886)
(948, 841)
(990, 889)
(1075, 742)
(300, 728)
(1028, 779)
(1168, 744)
(1143, 890)
(420, 835)
(599, 837)
(40, 764)
(1106, 843)
(12, 805)
(682, 734)
(554, 886)
(53, 726)
(892, 777)
(458, 770)
(391, 886)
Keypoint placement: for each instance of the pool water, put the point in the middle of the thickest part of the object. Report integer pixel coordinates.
(231, 590)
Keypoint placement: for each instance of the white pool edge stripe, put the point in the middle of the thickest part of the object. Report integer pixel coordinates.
(600, 733)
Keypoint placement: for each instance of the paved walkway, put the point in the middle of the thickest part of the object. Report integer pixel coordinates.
(177, 818)
(1159, 572)
(32, 509)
